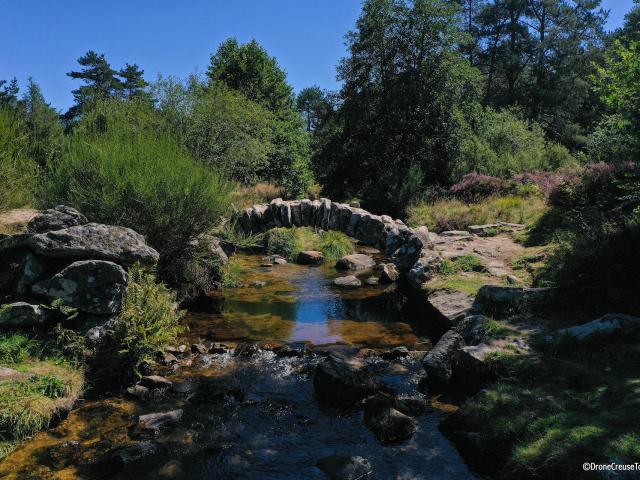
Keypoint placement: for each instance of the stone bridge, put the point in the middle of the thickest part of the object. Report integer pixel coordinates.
(407, 247)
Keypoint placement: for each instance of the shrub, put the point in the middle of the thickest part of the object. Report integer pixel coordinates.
(118, 170)
(148, 321)
(17, 348)
(335, 245)
(18, 172)
(500, 143)
(281, 241)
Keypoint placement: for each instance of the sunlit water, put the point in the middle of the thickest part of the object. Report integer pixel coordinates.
(255, 417)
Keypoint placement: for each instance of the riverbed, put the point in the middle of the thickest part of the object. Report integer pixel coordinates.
(250, 413)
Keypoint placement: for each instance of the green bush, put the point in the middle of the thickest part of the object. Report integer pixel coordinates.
(149, 318)
(18, 172)
(232, 134)
(500, 143)
(121, 168)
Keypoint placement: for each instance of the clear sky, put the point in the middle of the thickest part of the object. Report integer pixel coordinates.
(44, 38)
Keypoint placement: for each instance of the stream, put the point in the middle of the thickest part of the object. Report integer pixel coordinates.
(251, 413)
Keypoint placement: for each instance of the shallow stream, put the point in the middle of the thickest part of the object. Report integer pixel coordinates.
(255, 416)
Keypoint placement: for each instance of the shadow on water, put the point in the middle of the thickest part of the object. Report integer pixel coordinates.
(253, 417)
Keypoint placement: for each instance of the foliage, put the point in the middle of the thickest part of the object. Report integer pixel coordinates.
(18, 348)
(596, 223)
(453, 214)
(500, 143)
(314, 105)
(232, 273)
(618, 83)
(405, 95)
(231, 134)
(119, 169)
(249, 69)
(148, 321)
(17, 171)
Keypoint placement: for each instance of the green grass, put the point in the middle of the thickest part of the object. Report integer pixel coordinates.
(49, 385)
(453, 214)
(558, 412)
(464, 263)
(467, 283)
(289, 242)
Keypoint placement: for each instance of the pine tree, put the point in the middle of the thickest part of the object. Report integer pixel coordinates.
(133, 84)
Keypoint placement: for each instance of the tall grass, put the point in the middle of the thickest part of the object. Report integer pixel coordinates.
(453, 214)
(18, 172)
(118, 170)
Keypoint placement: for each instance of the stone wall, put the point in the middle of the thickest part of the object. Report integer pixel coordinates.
(408, 248)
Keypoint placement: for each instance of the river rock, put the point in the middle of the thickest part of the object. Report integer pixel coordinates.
(472, 328)
(424, 269)
(440, 361)
(395, 353)
(609, 325)
(310, 257)
(390, 425)
(472, 369)
(92, 286)
(199, 348)
(131, 454)
(373, 281)
(21, 315)
(356, 261)
(339, 382)
(154, 382)
(350, 281)
(500, 300)
(138, 391)
(93, 240)
(451, 305)
(389, 273)
(341, 467)
(154, 422)
(56, 218)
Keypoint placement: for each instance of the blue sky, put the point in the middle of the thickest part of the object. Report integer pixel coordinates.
(43, 38)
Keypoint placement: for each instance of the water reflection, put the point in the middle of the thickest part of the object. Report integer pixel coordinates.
(298, 303)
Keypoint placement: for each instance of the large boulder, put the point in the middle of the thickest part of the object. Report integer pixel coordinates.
(21, 315)
(356, 261)
(440, 361)
(472, 369)
(453, 306)
(609, 325)
(498, 299)
(339, 382)
(92, 286)
(56, 218)
(93, 240)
